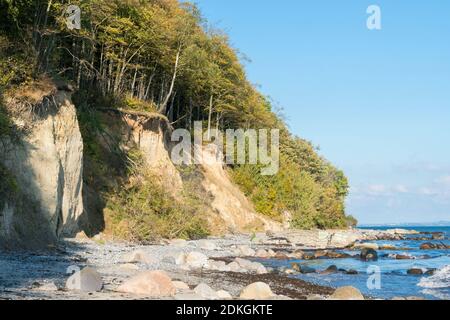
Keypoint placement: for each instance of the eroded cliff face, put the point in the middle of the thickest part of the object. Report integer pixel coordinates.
(151, 134)
(232, 211)
(228, 210)
(54, 198)
(46, 163)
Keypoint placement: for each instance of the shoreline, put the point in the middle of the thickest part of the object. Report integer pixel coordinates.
(27, 275)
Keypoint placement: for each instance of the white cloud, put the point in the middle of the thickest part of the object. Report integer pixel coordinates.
(380, 190)
(439, 190)
(376, 188)
(427, 191)
(445, 180)
(400, 188)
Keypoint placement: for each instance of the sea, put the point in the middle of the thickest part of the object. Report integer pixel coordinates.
(388, 278)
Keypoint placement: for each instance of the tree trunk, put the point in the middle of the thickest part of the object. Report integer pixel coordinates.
(163, 107)
(209, 116)
(41, 38)
(134, 82)
(148, 86)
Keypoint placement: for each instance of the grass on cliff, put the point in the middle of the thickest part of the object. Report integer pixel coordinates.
(144, 211)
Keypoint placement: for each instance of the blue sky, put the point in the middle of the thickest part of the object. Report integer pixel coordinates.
(376, 102)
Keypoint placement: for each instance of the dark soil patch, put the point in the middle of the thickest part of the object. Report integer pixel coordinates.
(280, 284)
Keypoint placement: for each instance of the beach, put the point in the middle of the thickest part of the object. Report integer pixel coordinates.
(295, 265)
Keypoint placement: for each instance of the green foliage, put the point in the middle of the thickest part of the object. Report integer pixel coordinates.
(145, 211)
(311, 203)
(16, 63)
(351, 221)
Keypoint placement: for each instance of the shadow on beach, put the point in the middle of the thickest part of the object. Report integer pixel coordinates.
(21, 272)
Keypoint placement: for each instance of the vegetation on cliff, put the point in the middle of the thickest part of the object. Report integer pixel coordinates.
(160, 56)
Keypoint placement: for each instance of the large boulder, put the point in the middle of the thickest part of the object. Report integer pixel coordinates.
(175, 258)
(180, 286)
(206, 292)
(224, 295)
(218, 266)
(399, 256)
(153, 284)
(415, 271)
(257, 291)
(347, 293)
(302, 268)
(342, 239)
(188, 296)
(438, 236)
(330, 270)
(250, 266)
(245, 251)
(427, 246)
(368, 255)
(196, 260)
(261, 253)
(86, 280)
(297, 254)
(235, 267)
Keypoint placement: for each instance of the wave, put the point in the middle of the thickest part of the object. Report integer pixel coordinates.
(441, 279)
(437, 294)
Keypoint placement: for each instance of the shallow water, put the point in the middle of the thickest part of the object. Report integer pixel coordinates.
(394, 280)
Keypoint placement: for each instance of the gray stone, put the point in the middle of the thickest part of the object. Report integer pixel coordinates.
(51, 286)
(245, 251)
(347, 293)
(154, 284)
(196, 260)
(257, 291)
(224, 295)
(180, 285)
(205, 291)
(86, 280)
(206, 245)
(188, 296)
(139, 256)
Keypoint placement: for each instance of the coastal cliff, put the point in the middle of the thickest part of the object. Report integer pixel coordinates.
(85, 125)
(46, 163)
